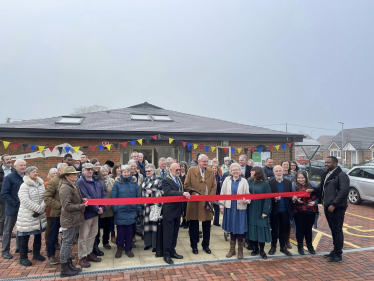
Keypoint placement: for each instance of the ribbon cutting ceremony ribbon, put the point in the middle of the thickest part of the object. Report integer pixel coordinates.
(172, 199)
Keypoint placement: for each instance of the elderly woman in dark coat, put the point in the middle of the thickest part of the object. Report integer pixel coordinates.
(150, 188)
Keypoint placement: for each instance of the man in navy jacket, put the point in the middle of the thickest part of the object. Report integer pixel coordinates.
(9, 193)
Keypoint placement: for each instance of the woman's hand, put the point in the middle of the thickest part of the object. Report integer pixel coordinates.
(264, 216)
(310, 190)
(295, 198)
(311, 204)
(149, 191)
(222, 211)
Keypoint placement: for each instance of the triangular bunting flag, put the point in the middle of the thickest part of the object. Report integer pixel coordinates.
(239, 150)
(207, 147)
(213, 148)
(284, 147)
(25, 146)
(276, 147)
(108, 146)
(148, 139)
(226, 149)
(233, 150)
(154, 137)
(195, 146)
(15, 145)
(51, 148)
(184, 143)
(289, 144)
(115, 145)
(133, 143)
(140, 141)
(259, 149)
(41, 148)
(253, 149)
(6, 143)
(85, 148)
(124, 144)
(32, 147)
(189, 145)
(100, 147)
(60, 149)
(201, 147)
(76, 148)
(93, 148)
(170, 140)
(67, 149)
(271, 148)
(245, 150)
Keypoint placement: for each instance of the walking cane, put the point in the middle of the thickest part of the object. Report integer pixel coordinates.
(159, 243)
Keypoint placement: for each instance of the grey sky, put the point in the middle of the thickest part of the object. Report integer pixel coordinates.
(254, 62)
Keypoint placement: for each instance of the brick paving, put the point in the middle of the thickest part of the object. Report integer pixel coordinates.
(359, 225)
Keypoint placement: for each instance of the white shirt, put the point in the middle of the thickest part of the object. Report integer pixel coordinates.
(6, 170)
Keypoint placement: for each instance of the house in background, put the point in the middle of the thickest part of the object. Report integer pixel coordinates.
(357, 146)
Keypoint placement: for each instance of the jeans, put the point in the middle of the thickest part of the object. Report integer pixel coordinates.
(335, 221)
(53, 235)
(68, 238)
(279, 221)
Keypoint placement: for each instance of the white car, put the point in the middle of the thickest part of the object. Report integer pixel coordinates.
(361, 184)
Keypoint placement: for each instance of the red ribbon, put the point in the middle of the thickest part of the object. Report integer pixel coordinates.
(171, 199)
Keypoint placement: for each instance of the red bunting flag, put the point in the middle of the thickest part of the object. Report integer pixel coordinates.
(271, 148)
(226, 149)
(124, 144)
(184, 143)
(253, 149)
(15, 145)
(51, 148)
(93, 148)
(201, 146)
(154, 137)
(289, 144)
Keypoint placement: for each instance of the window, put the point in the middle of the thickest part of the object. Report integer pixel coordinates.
(355, 172)
(70, 120)
(336, 153)
(368, 173)
(142, 117)
(314, 163)
(161, 118)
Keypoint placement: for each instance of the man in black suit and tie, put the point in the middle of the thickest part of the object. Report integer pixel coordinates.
(171, 212)
(245, 169)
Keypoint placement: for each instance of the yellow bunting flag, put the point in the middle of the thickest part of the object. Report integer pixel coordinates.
(239, 150)
(41, 148)
(6, 143)
(108, 146)
(170, 140)
(195, 146)
(277, 147)
(140, 141)
(76, 148)
(213, 148)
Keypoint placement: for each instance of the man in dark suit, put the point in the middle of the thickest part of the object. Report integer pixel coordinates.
(281, 211)
(171, 213)
(245, 169)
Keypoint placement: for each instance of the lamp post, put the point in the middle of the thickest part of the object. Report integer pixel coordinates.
(342, 142)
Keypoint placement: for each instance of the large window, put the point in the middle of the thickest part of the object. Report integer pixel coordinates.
(336, 153)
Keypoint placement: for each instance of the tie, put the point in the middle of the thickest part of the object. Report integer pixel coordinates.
(163, 174)
(177, 182)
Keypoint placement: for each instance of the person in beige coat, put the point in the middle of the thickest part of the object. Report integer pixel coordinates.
(201, 179)
(31, 219)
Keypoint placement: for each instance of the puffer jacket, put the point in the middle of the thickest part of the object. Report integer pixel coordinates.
(31, 196)
(125, 188)
(72, 207)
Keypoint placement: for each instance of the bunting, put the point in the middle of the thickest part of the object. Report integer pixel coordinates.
(154, 137)
(189, 145)
(67, 149)
(201, 146)
(92, 148)
(115, 145)
(132, 143)
(140, 141)
(60, 149)
(85, 148)
(100, 147)
(239, 150)
(271, 148)
(226, 149)
(289, 144)
(170, 140)
(33, 147)
(213, 148)
(41, 148)
(124, 144)
(24, 146)
(108, 146)
(233, 150)
(245, 150)
(284, 147)
(207, 147)
(51, 148)
(195, 146)
(6, 143)
(277, 147)
(259, 149)
(253, 149)
(184, 143)
(76, 148)
(15, 145)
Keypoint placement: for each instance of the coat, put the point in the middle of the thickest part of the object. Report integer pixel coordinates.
(268, 172)
(72, 207)
(170, 188)
(52, 197)
(109, 210)
(158, 172)
(91, 190)
(288, 200)
(125, 188)
(248, 170)
(47, 208)
(9, 193)
(155, 186)
(243, 188)
(140, 182)
(194, 181)
(335, 188)
(31, 196)
(2, 176)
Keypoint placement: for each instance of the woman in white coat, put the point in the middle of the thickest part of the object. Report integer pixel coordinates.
(31, 219)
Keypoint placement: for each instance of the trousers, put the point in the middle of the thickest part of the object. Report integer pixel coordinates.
(53, 235)
(335, 221)
(68, 238)
(170, 229)
(194, 233)
(304, 223)
(87, 234)
(124, 236)
(279, 221)
(10, 222)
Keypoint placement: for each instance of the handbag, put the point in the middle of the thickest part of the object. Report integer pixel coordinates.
(139, 226)
(155, 212)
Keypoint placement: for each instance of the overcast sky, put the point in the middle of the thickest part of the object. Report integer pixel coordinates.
(307, 63)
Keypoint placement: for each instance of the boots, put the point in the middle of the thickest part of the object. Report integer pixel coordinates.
(186, 225)
(232, 249)
(119, 251)
(23, 259)
(96, 249)
(36, 253)
(72, 267)
(288, 234)
(240, 249)
(300, 248)
(311, 248)
(83, 262)
(66, 271)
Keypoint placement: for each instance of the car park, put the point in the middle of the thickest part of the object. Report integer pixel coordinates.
(303, 160)
(318, 167)
(361, 184)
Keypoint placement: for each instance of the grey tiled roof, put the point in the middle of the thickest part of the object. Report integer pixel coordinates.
(359, 138)
(120, 120)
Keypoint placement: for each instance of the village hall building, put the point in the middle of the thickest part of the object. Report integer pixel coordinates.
(156, 132)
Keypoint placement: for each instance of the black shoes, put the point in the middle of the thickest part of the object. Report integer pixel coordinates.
(255, 252)
(147, 248)
(285, 251)
(176, 256)
(272, 250)
(216, 224)
(195, 251)
(168, 260)
(207, 250)
(263, 255)
(29, 251)
(329, 255)
(25, 262)
(7, 256)
(249, 245)
(335, 259)
(311, 249)
(154, 250)
(300, 249)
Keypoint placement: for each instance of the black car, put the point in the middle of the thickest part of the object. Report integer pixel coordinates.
(318, 168)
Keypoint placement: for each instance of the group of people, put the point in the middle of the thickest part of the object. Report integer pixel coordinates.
(38, 206)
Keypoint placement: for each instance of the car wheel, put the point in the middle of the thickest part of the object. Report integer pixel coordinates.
(354, 197)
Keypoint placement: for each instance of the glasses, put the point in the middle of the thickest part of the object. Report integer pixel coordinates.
(177, 170)
(148, 171)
